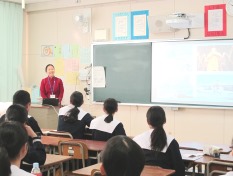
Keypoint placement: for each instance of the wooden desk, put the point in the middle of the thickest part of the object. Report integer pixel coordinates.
(52, 141)
(54, 161)
(91, 144)
(147, 171)
(96, 146)
(200, 146)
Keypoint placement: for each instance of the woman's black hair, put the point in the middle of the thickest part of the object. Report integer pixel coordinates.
(110, 106)
(123, 157)
(156, 118)
(48, 66)
(5, 165)
(18, 113)
(76, 99)
(13, 136)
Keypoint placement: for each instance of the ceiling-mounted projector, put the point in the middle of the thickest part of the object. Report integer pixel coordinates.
(178, 21)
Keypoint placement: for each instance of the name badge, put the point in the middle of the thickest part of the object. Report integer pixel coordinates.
(52, 96)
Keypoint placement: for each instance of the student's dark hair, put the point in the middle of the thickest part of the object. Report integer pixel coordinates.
(48, 66)
(13, 136)
(21, 97)
(156, 118)
(123, 157)
(110, 106)
(76, 99)
(18, 113)
(5, 165)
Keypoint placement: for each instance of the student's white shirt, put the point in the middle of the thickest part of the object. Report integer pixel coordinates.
(99, 124)
(65, 109)
(144, 140)
(16, 171)
(229, 174)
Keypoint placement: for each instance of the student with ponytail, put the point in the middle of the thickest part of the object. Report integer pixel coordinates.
(13, 148)
(106, 126)
(159, 148)
(73, 118)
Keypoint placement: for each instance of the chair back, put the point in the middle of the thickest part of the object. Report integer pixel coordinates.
(60, 134)
(78, 150)
(215, 168)
(96, 172)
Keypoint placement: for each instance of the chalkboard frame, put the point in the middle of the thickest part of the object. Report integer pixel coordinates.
(148, 46)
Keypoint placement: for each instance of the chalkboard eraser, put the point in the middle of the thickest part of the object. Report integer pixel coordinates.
(118, 102)
(100, 101)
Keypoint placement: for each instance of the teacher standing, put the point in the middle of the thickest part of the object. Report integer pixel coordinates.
(51, 86)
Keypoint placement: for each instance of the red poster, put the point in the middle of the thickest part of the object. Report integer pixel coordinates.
(215, 20)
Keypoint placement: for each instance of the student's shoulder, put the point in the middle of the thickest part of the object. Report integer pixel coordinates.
(15, 171)
(31, 118)
(64, 109)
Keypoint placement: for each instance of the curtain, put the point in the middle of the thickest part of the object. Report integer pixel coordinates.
(11, 32)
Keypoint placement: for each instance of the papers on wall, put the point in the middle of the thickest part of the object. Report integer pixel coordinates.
(139, 24)
(47, 50)
(121, 26)
(215, 20)
(98, 79)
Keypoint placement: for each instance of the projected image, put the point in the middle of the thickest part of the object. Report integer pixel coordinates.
(193, 72)
(215, 58)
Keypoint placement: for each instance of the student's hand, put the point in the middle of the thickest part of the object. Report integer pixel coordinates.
(231, 153)
(30, 132)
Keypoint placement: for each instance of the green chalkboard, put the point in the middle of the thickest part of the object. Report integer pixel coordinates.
(128, 72)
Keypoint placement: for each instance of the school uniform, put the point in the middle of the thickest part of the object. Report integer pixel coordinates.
(36, 151)
(168, 158)
(102, 131)
(36, 154)
(75, 127)
(34, 125)
(16, 171)
(31, 121)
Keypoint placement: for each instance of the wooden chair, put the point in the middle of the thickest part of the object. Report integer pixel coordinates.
(214, 168)
(60, 134)
(78, 150)
(96, 172)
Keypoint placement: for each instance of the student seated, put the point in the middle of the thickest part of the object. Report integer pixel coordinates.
(13, 142)
(159, 148)
(106, 126)
(73, 118)
(36, 151)
(122, 156)
(23, 98)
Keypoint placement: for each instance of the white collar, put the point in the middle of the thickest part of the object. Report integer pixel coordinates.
(144, 140)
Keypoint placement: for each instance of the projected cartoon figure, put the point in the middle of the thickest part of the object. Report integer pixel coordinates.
(213, 60)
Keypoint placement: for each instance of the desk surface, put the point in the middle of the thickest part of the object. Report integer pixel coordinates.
(200, 146)
(91, 144)
(52, 141)
(147, 171)
(55, 159)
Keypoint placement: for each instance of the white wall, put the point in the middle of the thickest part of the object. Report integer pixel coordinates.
(48, 23)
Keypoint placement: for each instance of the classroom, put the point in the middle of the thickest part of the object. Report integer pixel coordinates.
(51, 27)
